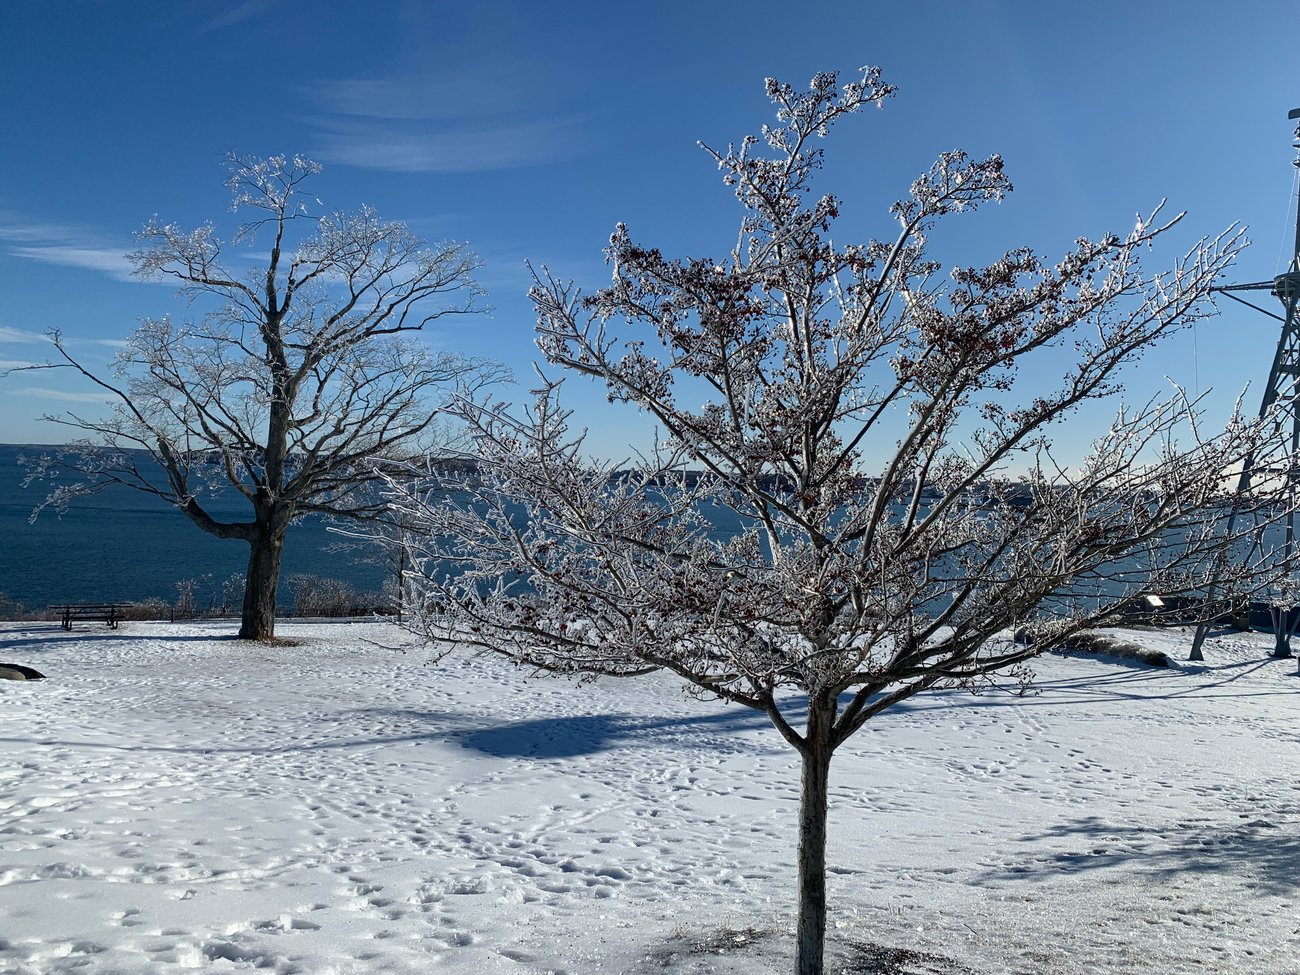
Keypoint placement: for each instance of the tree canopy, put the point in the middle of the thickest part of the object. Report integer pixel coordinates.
(867, 504)
(294, 383)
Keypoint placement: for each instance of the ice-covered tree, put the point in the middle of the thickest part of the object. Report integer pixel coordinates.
(299, 378)
(867, 505)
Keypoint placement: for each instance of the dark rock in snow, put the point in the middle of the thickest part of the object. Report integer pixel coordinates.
(19, 672)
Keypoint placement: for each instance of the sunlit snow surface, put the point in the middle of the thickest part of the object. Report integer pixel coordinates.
(172, 800)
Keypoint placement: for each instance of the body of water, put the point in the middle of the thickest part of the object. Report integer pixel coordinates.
(129, 546)
(124, 545)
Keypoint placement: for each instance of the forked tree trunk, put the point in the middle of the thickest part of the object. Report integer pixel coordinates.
(810, 942)
(261, 583)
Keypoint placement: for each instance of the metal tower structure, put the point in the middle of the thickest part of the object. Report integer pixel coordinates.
(1283, 379)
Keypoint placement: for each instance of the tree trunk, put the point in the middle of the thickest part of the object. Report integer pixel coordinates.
(261, 583)
(811, 937)
(401, 576)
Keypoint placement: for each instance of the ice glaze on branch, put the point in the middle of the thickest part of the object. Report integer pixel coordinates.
(867, 505)
(296, 380)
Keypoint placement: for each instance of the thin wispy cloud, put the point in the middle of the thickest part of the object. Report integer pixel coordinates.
(235, 14)
(14, 227)
(61, 395)
(16, 364)
(444, 122)
(63, 245)
(415, 148)
(9, 334)
(110, 261)
(413, 97)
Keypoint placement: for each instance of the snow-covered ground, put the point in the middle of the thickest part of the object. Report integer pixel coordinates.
(171, 799)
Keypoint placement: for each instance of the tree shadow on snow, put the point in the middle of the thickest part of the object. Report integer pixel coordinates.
(59, 637)
(565, 737)
(568, 736)
(1137, 684)
(1261, 850)
(695, 951)
(571, 736)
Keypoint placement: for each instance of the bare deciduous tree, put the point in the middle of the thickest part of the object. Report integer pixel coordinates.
(301, 378)
(867, 505)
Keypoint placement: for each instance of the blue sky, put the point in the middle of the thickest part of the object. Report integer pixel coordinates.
(528, 129)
